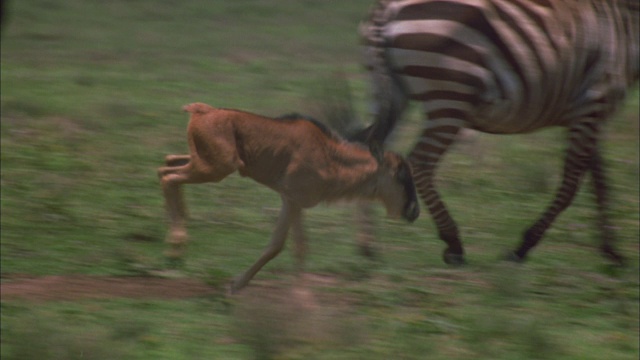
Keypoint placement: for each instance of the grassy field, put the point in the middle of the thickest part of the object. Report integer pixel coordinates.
(91, 97)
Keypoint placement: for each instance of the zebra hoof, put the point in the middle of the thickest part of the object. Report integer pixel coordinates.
(453, 259)
(617, 259)
(513, 257)
(369, 252)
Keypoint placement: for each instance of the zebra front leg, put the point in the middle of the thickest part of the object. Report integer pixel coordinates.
(439, 135)
(580, 154)
(604, 225)
(287, 213)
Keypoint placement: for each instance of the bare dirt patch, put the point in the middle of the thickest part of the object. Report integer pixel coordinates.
(77, 287)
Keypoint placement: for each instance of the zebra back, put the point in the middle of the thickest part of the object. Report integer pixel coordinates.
(519, 65)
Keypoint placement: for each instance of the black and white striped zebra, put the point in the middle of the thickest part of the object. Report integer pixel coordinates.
(503, 67)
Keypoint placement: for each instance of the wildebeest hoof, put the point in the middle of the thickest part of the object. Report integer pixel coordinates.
(611, 254)
(369, 252)
(451, 258)
(234, 287)
(168, 274)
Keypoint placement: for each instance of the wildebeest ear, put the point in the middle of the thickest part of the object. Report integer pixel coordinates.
(376, 150)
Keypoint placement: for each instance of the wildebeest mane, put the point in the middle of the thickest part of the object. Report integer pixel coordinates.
(322, 126)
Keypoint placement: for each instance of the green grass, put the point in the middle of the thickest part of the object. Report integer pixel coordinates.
(91, 97)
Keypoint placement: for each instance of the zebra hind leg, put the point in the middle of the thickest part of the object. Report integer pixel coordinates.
(604, 225)
(581, 156)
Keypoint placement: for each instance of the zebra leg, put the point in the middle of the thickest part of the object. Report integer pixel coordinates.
(604, 225)
(579, 158)
(424, 158)
(388, 105)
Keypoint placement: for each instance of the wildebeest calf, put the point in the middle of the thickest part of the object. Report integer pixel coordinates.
(299, 158)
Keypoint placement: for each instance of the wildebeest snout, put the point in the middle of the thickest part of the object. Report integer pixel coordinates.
(412, 210)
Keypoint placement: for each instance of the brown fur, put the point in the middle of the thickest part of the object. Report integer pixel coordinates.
(294, 157)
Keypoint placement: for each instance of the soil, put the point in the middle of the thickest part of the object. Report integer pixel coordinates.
(79, 287)
(76, 287)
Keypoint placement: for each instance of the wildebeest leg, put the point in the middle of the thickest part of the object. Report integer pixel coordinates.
(287, 213)
(177, 237)
(604, 225)
(173, 164)
(365, 237)
(177, 160)
(172, 178)
(300, 241)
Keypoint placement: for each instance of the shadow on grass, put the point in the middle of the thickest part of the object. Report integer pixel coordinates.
(42, 336)
(274, 321)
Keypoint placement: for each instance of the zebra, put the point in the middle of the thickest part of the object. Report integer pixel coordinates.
(502, 67)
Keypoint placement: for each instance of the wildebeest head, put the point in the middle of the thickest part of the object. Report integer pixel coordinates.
(396, 188)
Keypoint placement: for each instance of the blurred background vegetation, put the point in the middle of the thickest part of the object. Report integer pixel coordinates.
(91, 97)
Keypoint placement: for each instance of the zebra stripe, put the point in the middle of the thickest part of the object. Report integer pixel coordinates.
(503, 67)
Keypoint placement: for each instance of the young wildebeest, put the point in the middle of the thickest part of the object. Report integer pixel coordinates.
(299, 158)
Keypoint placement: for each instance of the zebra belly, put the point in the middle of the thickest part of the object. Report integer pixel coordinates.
(483, 108)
